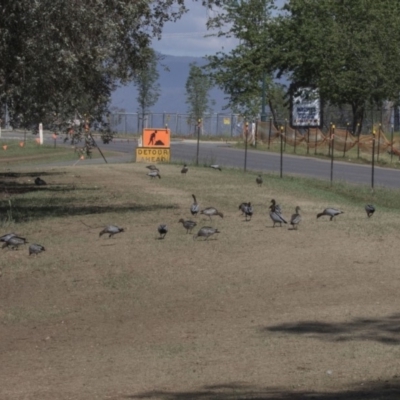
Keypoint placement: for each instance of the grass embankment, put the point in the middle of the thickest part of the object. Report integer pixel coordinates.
(255, 312)
(19, 153)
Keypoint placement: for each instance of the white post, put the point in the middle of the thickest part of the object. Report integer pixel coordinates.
(40, 133)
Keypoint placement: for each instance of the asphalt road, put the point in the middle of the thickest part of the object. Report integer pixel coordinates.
(223, 154)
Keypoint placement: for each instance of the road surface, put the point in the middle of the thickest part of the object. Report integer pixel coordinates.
(225, 155)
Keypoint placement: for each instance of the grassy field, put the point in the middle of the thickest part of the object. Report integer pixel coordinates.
(13, 154)
(253, 313)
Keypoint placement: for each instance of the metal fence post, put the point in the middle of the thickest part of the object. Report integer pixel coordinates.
(332, 150)
(198, 141)
(246, 134)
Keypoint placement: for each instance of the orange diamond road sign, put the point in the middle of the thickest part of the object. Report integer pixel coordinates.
(154, 137)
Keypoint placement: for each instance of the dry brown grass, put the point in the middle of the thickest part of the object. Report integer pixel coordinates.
(256, 313)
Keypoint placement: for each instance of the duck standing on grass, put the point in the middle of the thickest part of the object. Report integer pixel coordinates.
(248, 211)
(36, 249)
(276, 216)
(162, 230)
(259, 180)
(330, 212)
(154, 174)
(296, 218)
(216, 166)
(184, 169)
(369, 209)
(188, 225)
(195, 207)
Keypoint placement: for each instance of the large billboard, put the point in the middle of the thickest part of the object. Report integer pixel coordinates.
(306, 111)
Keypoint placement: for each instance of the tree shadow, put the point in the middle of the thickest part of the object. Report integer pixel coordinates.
(62, 207)
(384, 330)
(16, 175)
(376, 390)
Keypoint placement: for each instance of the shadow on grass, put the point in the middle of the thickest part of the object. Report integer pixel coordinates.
(16, 175)
(384, 330)
(28, 212)
(388, 390)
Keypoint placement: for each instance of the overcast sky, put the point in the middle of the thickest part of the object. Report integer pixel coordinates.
(186, 36)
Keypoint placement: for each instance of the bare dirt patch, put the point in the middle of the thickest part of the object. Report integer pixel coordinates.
(256, 313)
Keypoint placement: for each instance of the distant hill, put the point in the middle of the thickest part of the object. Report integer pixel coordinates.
(172, 98)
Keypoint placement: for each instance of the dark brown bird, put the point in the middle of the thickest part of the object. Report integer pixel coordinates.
(111, 230)
(188, 225)
(369, 209)
(162, 230)
(40, 182)
(259, 180)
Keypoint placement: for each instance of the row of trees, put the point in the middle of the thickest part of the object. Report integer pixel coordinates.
(348, 49)
(60, 57)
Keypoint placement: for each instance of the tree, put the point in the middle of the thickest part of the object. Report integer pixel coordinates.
(245, 74)
(58, 57)
(348, 49)
(197, 87)
(148, 90)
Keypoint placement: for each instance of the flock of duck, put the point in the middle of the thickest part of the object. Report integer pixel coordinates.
(13, 241)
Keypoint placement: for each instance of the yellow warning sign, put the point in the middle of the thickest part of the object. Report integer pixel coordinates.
(152, 155)
(156, 137)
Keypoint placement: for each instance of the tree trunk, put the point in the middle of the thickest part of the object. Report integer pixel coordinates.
(358, 118)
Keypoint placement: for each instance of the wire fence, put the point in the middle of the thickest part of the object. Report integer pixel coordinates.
(219, 124)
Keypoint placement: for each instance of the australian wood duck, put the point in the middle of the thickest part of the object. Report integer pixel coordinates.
(162, 230)
(195, 207)
(154, 174)
(36, 248)
(188, 225)
(295, 219)
(369, 209)
(111, 230)
(40, 182)
(206, 231)
(330, 212)
(14, 242)
(211, 211)
(276, 217)
(184, 169)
